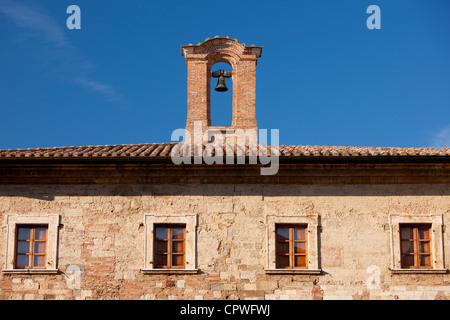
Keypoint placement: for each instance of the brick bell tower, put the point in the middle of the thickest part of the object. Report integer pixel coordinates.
(200, 59)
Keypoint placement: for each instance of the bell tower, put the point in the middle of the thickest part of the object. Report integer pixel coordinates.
(200, 59)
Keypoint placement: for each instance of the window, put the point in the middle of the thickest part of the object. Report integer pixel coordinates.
(417, 243)
(170, 243)
(32, 244)
(170, 246)
(292, 244)
(31, 247)
(415, 246)
(291, 247)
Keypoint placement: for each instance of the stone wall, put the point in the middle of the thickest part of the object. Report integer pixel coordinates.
(102, 236)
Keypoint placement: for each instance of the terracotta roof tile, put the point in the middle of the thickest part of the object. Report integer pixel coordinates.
(165, 149)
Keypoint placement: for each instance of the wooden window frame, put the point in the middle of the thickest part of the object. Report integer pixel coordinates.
(170, 241)
(190, 221)
(16, 220)
(311, 221)
(436, 223)
(31, 254)
(291, 241)
(416, 241)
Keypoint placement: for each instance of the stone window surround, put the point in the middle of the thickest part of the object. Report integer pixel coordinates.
(312, 221)
(190, 220)
(436, 221)
(52, 221)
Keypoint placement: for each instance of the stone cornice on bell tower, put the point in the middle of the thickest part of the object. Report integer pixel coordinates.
(220, 48)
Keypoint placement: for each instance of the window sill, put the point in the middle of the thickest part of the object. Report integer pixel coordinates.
(294, 271)
(415, 271)
(169, 271)
(30, 271)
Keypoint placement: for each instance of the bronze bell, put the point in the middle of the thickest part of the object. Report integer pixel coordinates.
(221, 74)
(221, 85)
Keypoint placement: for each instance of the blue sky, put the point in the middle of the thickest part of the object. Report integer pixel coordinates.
(324, 78)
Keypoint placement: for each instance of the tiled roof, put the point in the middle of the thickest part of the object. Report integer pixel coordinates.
(164, 150)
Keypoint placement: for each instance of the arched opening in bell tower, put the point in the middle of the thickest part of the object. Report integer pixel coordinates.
(221, 102)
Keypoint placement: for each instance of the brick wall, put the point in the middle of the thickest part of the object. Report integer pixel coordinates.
(200, 59)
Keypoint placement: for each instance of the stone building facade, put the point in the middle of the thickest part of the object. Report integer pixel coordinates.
(332, 223)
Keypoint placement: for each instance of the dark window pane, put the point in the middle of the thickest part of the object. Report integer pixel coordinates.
(177, 247)
(161, 246)
(407, 260)
(23, 247)
(39, 261)
(299, 234)
(300, 261)
(407, 246)
(406, 233)
(283, 234)
(283, 247)
(299, 247)
(24, 233)
(177, 260)
(424, 247)
(23, 261)
(424, 233)
(161, 260)
(40, 247)
(178, 233)
(161, 233)
(40, 234)
(425, 260)
(282, 261)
